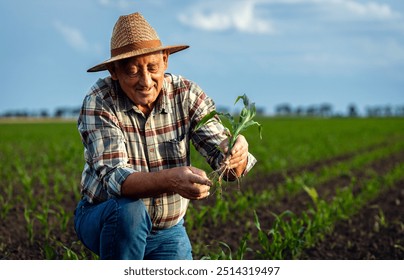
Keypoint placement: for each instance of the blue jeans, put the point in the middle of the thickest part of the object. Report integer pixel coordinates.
(120, 228)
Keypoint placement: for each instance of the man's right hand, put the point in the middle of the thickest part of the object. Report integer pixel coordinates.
(189, 182)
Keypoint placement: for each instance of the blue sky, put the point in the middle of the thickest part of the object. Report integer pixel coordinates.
(299, 52)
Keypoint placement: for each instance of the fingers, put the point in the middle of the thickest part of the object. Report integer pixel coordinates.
(239, 153)
(199, 176)
(240, 146)
(201, 192)
(191, 183)
(234, 163)
(198, 172)
(224, 145)
(201, 184)
(195, 191)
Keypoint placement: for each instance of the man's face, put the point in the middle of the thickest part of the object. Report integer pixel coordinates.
(141, 78)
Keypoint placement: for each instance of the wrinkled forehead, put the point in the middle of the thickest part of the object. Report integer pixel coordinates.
(156, 57)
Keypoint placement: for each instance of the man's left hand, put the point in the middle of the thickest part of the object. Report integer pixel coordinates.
(237, 159)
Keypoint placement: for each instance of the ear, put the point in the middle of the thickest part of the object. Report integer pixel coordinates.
(165, 59)
(112, 71)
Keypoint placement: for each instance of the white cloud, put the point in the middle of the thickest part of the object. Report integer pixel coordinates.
(360, 10)
(385, 52)
(365, 54)
(75, 38)
(246, 15)
(239, 15)
(72, 36)
(120, 4)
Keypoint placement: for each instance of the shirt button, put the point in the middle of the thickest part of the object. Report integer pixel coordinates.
(152, 150)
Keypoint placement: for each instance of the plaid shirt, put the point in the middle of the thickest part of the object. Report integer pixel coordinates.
(119, 140)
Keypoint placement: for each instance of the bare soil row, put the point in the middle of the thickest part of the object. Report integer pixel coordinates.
(241, 223)
(363, 236)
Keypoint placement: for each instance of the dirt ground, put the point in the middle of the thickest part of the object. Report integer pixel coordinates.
(375, 232)
(367, 235)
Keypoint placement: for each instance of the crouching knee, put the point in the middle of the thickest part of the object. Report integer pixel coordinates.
(132, 215)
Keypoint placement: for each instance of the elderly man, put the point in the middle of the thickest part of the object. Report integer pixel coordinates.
(136, 127)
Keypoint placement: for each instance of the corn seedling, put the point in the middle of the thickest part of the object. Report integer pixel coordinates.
(30, 225)
(220, 212)
(196, 217)
(42, 175)
(63, 217)
(226, 253)
(263, 238)
(312, 193)
(43, 217)
(5, 207)
(380, 220)
(6, 202)
(49, 252)
(233, 130)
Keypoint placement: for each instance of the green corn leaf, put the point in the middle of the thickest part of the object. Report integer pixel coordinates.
(211, 117)
(312, 193)
(257, 221)
(246, 101)
(245, 120)
(260, 130)
(206, 119)
(251, 123)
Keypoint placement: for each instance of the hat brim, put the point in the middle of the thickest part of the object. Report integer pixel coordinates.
(103, 66)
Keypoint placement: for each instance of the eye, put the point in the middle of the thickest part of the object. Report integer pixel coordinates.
(132, 74)
(153, 68)
(132, 71)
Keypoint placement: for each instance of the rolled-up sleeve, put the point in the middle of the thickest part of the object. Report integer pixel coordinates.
(104, 150)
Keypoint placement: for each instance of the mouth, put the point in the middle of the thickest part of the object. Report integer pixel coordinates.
(144, 91)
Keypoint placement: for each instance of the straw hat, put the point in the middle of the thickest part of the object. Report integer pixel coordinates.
(132, 35)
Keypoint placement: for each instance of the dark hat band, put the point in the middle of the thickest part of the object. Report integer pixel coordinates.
(135, 47)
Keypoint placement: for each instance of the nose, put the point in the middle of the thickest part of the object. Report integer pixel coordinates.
(145, 79)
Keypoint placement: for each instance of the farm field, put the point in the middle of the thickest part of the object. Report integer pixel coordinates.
(322, 189)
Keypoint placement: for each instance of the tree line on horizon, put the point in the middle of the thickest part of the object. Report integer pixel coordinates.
(326, 110)
(285, 110)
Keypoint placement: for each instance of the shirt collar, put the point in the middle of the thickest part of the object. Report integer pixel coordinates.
(163, 102)
(123, 102)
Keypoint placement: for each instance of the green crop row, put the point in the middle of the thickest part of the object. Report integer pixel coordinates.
(42, 165)
(290, 142)
(290, 233)
(358, 149)
(248, 197)
(41, 169)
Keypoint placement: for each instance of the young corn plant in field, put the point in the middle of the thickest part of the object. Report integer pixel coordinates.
(29, 224)
(6, 202)
(233, 129)
(225, 252)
